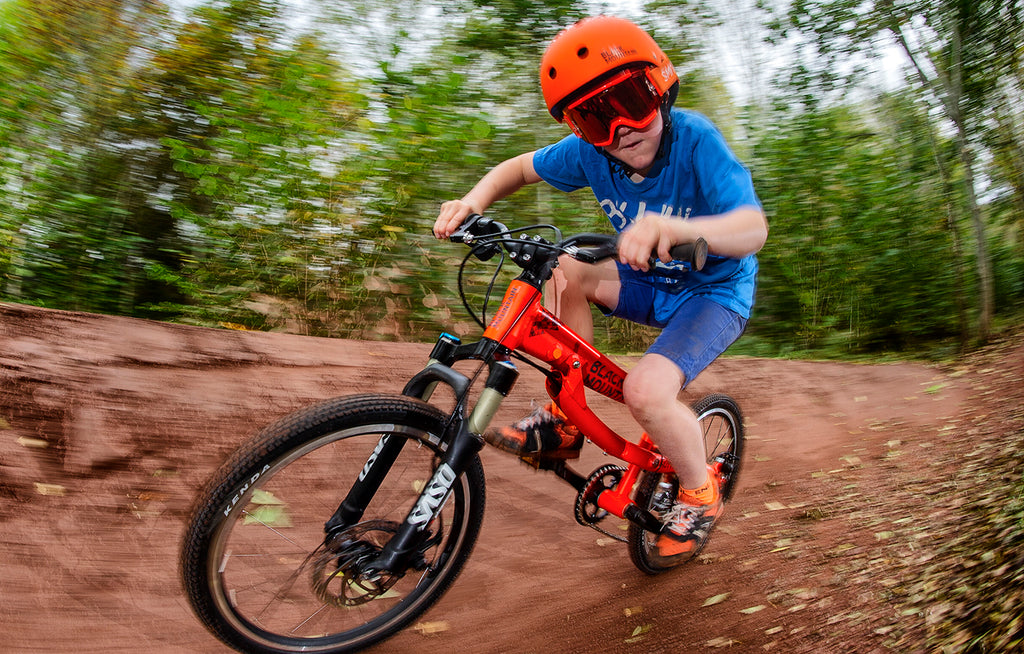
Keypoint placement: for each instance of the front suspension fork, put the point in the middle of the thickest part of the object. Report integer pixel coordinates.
(463, 442)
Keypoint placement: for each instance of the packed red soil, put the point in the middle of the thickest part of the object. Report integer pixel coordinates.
(109, 425)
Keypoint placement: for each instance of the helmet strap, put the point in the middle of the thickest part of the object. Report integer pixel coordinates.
(663, 148)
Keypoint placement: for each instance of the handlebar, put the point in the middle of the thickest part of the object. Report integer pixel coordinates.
(487, 236)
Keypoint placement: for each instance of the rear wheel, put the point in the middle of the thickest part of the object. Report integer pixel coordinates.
(722, 424)
(258, 566)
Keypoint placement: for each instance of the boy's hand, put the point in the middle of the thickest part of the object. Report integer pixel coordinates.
(642, 238)
(453, 213)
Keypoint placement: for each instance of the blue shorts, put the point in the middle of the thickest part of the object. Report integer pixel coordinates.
(694, 336)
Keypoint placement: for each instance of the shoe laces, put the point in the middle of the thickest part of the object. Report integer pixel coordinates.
(540, 416)
(682, 516)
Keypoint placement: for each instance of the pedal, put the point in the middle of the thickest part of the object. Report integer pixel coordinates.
(552, 455)
(545, 463)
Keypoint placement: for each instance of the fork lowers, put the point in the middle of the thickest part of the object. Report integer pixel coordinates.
(500, 381)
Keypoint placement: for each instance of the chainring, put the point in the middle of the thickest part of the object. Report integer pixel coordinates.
(588, 513)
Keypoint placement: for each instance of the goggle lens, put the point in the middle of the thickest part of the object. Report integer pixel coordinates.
(628, 98)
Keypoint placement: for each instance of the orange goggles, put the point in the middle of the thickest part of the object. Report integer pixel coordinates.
(628, 98)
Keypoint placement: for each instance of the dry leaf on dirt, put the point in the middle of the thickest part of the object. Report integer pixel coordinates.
(716, 599)
(430, 628)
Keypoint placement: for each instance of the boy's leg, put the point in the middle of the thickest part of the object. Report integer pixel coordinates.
(697, 334)
(574, 285)
(651, 391)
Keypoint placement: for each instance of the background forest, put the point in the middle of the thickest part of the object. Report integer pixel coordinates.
(278, 165)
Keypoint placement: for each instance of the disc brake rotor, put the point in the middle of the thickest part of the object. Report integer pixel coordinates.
(340, 568)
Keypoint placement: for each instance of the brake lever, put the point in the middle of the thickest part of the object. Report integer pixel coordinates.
(475, 228)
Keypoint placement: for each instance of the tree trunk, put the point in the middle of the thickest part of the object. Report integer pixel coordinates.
(984, 264)
(948, 88)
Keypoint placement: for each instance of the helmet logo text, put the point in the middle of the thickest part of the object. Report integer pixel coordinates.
(614, 53)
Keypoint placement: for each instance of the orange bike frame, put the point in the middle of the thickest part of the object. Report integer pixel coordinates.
(522, 323)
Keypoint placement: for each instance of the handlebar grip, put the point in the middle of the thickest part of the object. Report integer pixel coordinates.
(695, 254)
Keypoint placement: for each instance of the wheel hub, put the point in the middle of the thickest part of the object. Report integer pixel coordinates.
(341, 571)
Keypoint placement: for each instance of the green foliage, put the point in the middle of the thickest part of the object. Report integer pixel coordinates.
(858, 248)
(227, 167)
(962, 57)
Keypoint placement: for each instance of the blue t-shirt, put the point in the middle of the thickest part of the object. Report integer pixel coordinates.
(698, 176)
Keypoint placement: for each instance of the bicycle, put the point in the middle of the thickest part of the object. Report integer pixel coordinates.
(276, 560)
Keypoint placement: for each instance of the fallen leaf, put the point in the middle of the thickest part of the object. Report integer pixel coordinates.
(55, 490)
(430, 628)
(753, 609)
(265, 497)
(37, 443)
(269, 515)
(638, 634)
(716, 599)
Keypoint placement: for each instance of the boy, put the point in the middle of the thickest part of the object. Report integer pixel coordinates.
(664, 177)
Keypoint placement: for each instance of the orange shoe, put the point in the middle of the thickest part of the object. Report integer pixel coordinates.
(544, 433)
(688, 525)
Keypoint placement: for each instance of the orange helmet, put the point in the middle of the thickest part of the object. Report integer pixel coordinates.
(583, 58)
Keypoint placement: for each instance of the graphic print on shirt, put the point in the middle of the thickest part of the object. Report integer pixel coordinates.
(617, 215)
(617, 212)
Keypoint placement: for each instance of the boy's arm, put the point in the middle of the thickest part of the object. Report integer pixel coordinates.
(736, 233)
(504, 179)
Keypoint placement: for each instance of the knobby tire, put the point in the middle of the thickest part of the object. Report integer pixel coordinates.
(722, 425)
(254, 564)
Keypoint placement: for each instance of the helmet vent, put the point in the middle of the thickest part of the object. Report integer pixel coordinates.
(552, 72)
(582, 52)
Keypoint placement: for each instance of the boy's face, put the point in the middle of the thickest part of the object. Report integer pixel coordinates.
(637, 148)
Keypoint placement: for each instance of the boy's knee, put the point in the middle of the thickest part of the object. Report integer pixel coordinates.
(569, 270)
(652, 386)
(644, 393)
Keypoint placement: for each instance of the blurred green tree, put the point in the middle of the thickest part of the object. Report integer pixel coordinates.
(959, 53)
(66, 238)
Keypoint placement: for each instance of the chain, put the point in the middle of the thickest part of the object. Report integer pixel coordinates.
(596, 484)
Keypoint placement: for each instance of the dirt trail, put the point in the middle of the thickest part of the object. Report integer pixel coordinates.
(107, 425)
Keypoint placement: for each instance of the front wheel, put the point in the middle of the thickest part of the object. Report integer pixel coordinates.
(722, 425)
(261, 570)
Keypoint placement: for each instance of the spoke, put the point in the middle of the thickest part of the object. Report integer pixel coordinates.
(273, 529)
(323, 607)
(279, 594)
